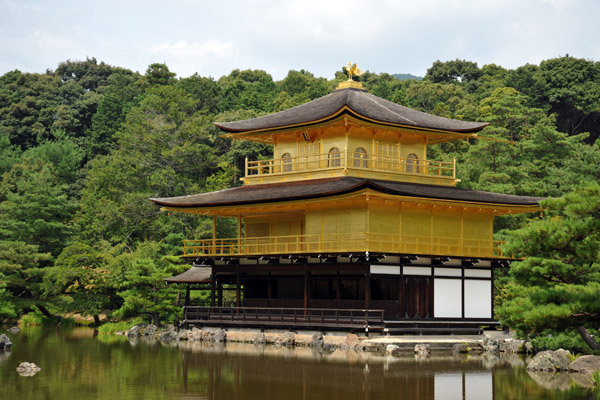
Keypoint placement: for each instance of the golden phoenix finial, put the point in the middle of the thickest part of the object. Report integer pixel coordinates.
(353, 70)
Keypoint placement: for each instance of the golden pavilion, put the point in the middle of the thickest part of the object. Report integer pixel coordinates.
(349, 226)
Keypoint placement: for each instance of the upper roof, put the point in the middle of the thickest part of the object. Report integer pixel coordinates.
(316, 188)
(354, 101)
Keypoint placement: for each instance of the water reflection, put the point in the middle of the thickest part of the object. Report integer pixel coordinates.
(75, 364)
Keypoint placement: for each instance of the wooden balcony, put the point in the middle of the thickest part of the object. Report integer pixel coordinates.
(345, 163)
(344, 243)
(272, 317)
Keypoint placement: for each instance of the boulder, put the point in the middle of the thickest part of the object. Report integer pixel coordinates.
(220, 336)
(460, 348)
(28, 369)
(551, 361)
(168, 336)
(515, 346)
(351, 342)
(149, 330)
(196, 334)
(392, 350)
(317, 340)
(184, 335)
(260, 339)
(14, 329)
(587, 364)
(5, 342)
(422, 349)
(287, 339)
(136, 330)
(490, 344)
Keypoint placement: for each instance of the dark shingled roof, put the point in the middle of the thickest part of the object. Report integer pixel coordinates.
(360, 103)
(315, 188)
(192, 275)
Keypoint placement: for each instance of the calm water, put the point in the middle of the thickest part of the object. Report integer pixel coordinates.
(77, 365)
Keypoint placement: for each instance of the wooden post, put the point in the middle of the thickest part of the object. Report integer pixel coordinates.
(306, 284)
(187, 296)
(220, 294)
(214, 235)
(269, 289)
(239, 235)
(237, 288)
(367, 286)
(212, 289)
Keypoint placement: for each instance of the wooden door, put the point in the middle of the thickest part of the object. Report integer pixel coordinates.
(417, 297)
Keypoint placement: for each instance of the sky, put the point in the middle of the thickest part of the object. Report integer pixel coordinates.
(214, 37)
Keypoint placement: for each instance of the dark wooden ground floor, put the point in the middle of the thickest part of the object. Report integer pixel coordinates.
(376, 297)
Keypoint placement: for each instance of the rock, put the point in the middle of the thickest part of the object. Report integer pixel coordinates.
(351, 342)
(260, 339)
(392, 350)
(220, 336)
(549, 360)
(136, 330)
(287, 339)
(317, 340)
(28, 369)
(490, 344)
(515, 346)
(149, 330)
(14, 329)
(460, 348)
(168, 336)
(184, 335)
(196, 334)
(422, 349)
(5, 342)
(585, 364)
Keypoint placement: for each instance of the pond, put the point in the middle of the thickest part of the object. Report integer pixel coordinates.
(76, 364)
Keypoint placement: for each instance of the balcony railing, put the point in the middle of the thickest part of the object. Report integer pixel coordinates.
(344, 242)
(345, 160)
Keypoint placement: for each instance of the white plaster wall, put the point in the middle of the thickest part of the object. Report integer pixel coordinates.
(447, 296)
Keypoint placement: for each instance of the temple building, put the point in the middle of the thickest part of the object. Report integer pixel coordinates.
(349, 225)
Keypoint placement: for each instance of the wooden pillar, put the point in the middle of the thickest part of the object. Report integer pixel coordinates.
(214, 235)
(237, 288)
(239, 234)
(269, 290)
(306, 287)
(367, 286)
(212, 289)
(338, 289)
(220, 294)
(187, 295)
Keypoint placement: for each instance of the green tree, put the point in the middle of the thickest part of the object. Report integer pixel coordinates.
(21, 269)
(457, 71)
(78, 281)
(557, 284)
(159, 74)
(138, 277)
(165, 148)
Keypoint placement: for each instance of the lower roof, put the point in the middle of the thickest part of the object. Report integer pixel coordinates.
(192, 275)
(318, 188)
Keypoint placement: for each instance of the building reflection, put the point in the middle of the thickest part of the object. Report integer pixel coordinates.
(302, 373)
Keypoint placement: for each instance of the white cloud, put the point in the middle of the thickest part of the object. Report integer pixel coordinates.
(186, 58)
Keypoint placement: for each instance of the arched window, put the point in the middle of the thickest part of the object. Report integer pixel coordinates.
(412, 163)
(334, 157)
(286, 162)
(360, 158)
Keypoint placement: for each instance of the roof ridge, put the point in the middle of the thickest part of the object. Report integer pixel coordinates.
(387, 108)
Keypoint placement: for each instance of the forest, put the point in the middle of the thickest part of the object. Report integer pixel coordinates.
(83, 147)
